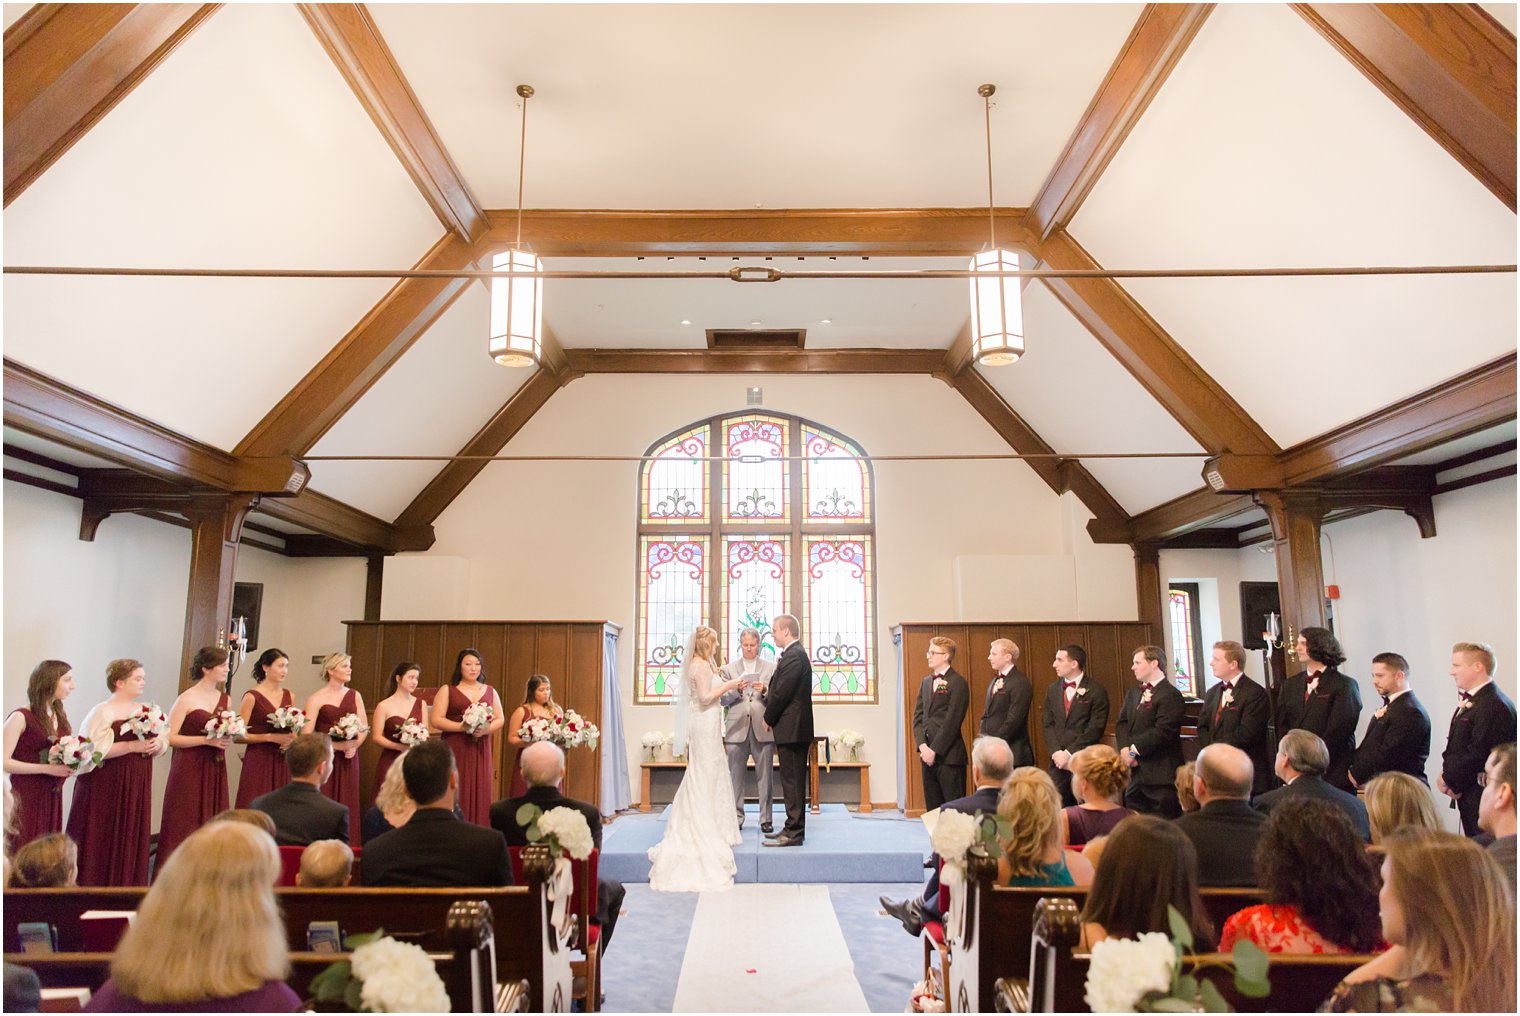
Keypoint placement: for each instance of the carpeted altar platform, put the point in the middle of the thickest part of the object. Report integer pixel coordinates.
(841, 846)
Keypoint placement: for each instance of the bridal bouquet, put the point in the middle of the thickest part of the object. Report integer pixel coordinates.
(562, 830)
(287, 718)
(1145, 974)
(572, 731)
(225, 724)
(412, 733)
(384, 975)
(147, 722)
(347, 727)
(536, 729)
(78, 753)
(478, 717)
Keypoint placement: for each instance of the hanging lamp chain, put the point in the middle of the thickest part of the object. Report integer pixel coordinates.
(986, 92)
(526, 91)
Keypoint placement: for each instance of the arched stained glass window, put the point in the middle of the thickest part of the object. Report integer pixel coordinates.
(747, 516)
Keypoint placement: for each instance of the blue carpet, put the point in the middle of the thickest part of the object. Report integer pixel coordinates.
(841, 846)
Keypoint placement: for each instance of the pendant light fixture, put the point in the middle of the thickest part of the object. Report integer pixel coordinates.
(517, 300)
(997, 315)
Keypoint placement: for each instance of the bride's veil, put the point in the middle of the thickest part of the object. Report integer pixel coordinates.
(681, 699)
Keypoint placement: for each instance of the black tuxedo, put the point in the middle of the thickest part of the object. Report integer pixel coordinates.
(1398, 742)
(303, 814)
(982, 799)
(1225, 834)
(1243, 724)
(609, 893)
(1005, 714)
(789, 714)
(1314, 788)
(1155, 729)
(436, 849)
(1073, 730)
(1475, 731)
(937, 719)
(1331, 711)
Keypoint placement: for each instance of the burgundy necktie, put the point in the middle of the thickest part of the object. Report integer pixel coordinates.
(1219, 709)
(1068, 698)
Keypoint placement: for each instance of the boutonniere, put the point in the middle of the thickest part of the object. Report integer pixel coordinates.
(1464, 705)
(1380, 713)
(1145, 697)
(1312, 685)
(940, 684)
(1229, 696)
(997, 686)
(1082, 690)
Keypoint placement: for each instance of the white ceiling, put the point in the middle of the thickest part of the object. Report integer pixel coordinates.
(1486, 438)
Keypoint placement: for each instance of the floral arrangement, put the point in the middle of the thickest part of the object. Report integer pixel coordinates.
(958, 836)
(225, 724)
(147, 722)
(850, 740)
(478, 717)
(562, 830)
(384, 975)
(412, 733)
(652, 739)
(1145, 974)
(347, 727)
(572, 731)
(78, 753)
(287, 718)
(536, 729)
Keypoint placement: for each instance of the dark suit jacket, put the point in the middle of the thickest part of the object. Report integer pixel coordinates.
(1243, 724)
(303, 814)
(1225, 834)
(1476, 731)
(1005, 714)
(1155, 729)
(937, 718)
(504, 814)
(1399, 742)
(436, 849)
(1331, 712)
(789, 705)
(1080, 727)
(1317, 789)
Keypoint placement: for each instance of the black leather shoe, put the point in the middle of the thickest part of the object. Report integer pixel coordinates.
(772, 836)
(784, 841)
(906, 911)
(767, 828)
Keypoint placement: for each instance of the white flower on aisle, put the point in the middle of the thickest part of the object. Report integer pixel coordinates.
(412, 733)
(287, 718)
(398, 977)
(225, 724)
(568, 828)
(347, 727)
(1123, 971)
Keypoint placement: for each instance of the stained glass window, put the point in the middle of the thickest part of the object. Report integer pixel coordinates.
(1187, 645)
(767, 557)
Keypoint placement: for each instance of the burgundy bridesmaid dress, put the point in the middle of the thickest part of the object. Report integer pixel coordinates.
(264, 763)
(473, 756)
(197, 787)
(38, 797)
(344, 785)
(392, 732)
(112, 817)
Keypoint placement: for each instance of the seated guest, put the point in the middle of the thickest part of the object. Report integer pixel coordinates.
(1396, 801)
(23, 991)
(1093, 851)
(543, 766)
(1034, 854)
(301, 813)
(1184, 784)
(392, 808)
(1451, 918)
(326, 864)
(435, 848)
(48, 862)
(1301, 761)
(1148, 865)
(1098, 779)
(1225, 828)
(1322, 886)
(257, 819)
(1496, 809)
(208, 935)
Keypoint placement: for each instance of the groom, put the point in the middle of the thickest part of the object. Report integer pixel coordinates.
(789, 712)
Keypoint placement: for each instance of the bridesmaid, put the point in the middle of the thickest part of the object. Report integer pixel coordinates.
(38, 786)
(537, 704)
(335, 699)
(472, 752)
(401, 704)
(197, 787)
(264, 761)
(112, 815)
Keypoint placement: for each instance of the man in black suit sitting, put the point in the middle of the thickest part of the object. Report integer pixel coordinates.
(1301, 761)
(1074, 715)
(1149, 735)
(1398, 737)
(435, 848)
(1485, 719)
(1225, 829)
(543, 766)
(300, 812)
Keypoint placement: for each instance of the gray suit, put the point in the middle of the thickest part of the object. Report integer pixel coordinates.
(745, 734)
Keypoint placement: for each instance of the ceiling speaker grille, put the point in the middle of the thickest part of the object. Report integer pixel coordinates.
(756, 338)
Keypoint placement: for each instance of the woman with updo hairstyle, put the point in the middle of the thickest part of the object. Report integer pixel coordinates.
(29, 733)
(112, 815)
(538, 704)
(264, 766)
(326, 706)
(1323, 701)
(1098, 779)
(472, 749)
(401, 703)
(1398, 801)
(1148, 865)
(48, 862)
(1034, 855)
(197, 787)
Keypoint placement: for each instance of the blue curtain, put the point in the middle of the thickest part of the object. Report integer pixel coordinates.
(615, 793)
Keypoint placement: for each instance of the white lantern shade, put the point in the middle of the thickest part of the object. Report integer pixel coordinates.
(517, 310)
(997, 309)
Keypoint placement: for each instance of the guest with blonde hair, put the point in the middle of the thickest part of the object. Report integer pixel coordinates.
(326, 864)
(48, 862)
(1034, 854)
(1397, 801)
(208, 935)
(1184, 785)
(257, 819)
(1098, 779)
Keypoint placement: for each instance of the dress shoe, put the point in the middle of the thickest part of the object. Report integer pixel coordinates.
(772, 835)
(784, 841)
(906, 911)
(767, 828)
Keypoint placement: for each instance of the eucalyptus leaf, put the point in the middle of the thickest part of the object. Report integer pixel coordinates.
(1251, 963)
(352, 942)
(1186, 986)
(353, 997)
(1168, 1004)
(528, 814)
(1213, 1000)
(329, 985)
(1181, 933)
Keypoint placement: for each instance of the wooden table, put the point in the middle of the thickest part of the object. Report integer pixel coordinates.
(864, 768)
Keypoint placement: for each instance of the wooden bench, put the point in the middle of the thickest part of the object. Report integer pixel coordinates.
(862, 768)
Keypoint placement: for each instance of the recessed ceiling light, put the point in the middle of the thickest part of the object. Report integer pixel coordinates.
(827, 321)
(755, 322)
(686, 321)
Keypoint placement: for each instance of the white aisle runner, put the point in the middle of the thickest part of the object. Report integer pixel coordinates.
(767, 948)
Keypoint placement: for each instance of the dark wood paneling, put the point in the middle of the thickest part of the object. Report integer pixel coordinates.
(756, 361)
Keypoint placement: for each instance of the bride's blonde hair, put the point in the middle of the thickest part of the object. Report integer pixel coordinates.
(705, 644)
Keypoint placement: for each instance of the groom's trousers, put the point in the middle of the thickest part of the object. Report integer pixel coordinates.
(794, 774)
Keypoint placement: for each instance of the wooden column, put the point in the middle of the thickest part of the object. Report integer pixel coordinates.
(216, 522)
(1150, 593)
(1296, 518)
(374, 583)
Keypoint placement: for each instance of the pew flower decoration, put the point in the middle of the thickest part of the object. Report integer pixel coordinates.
(478, 717)
(225, 724)
(287, 718)
(78, 754)
(562, 830)
(412, 733)
(571, 730)
(536, 729)
(1146, 974)
(384, 975)
(347, 727)
(147, 722)
(958, 837)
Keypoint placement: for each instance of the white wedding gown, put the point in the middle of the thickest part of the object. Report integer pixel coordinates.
(697, 853)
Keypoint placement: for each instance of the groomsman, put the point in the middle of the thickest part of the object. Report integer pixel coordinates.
(943, 698)
(1323, 701)
(1485, 719)
(1149, 735)
(744, 732)
(1005, 713)
(1236, 711)
(1398, 738)
(1075, 713)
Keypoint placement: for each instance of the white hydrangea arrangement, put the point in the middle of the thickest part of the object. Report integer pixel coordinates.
(957, 836)
(562, 830)
(652, 739)
(384, 975)
(1146, 974)
(847, 740)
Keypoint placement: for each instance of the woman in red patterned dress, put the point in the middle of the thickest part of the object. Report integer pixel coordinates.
(264, 760)
(36, 785)
(328, 704)
(472, 749)
(197, 787)
(400, 704)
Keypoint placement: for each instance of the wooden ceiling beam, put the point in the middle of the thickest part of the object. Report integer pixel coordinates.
(1157, 42)
(68, 65)
(356, 47)
(755, 361)
(334, 519)
(1194, 510)
(1450, 67)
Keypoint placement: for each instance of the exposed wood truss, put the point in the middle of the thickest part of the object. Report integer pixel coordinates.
(755, 361)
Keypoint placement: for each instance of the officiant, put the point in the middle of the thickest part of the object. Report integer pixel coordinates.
(745, 733)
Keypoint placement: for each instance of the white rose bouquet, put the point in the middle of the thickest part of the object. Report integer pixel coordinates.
(78, 753)
(225, 724)
(847, 740)
(384, 976)
(572, 731)
(957, 836)
(412, 733)
(563, 830)
(536, 729)
(479, 716)
(1146, 974)
(347, 727)
(287, 718)
(652, 739)
(147, 722)
(1123, 971)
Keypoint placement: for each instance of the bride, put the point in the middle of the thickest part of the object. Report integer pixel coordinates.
(700, 826)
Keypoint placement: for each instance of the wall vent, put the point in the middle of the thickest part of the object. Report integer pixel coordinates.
(756, 338)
